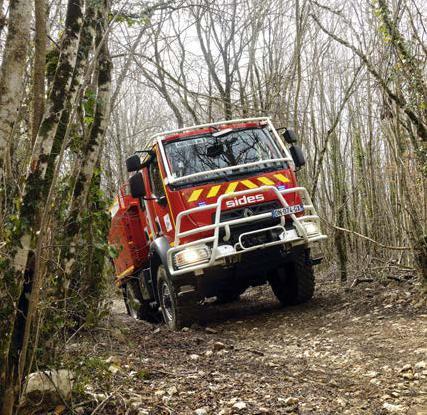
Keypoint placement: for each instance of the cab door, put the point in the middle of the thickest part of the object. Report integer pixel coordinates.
(158, 203)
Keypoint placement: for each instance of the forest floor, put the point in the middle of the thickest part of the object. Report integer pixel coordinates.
(360, 350)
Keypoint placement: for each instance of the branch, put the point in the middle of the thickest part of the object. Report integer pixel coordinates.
(394, 248)
(398, 99)
(347, 95)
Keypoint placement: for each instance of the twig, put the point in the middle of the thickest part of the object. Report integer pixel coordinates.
(394, 248)
(392, 263)
(102, 403)
(72, 336)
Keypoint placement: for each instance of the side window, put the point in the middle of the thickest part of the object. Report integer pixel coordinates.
(156, 181)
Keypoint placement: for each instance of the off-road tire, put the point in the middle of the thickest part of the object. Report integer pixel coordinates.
(177, 312)
(136, 306)
(294, 283)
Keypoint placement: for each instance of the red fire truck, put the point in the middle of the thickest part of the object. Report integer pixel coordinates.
(209, 211)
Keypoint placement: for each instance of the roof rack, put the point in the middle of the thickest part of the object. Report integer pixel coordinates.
(197, 127)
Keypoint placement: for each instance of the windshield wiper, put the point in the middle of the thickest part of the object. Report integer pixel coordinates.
(254, 170)
(220, 175)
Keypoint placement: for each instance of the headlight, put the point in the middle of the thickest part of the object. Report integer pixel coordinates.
(311, 228)
(192, 256)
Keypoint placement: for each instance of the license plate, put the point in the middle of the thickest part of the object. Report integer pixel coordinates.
(289, 210)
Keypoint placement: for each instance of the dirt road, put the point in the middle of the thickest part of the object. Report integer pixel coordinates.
(360, 351)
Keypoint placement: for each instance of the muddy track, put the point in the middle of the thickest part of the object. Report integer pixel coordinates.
(360, 351)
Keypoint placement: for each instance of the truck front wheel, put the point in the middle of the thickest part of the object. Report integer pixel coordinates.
(177, 312)
(294, 283)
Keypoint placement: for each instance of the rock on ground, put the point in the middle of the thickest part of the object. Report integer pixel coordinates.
(47, 388)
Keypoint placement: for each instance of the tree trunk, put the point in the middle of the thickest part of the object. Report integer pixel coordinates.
(87, 37)
(24, 237)
(11, 81)
(39, 67)
(91, 154)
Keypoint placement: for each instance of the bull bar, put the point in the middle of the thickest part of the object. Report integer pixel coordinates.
(293, 237)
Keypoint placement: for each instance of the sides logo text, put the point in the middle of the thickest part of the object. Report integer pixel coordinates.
(244, 200)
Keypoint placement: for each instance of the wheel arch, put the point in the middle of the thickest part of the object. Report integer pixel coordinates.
(158, 256)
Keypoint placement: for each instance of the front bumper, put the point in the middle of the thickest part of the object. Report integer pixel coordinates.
(305, 231)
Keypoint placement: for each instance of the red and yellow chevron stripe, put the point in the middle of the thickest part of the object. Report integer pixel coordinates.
(213, 191)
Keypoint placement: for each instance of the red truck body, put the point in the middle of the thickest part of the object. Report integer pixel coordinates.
(198, 195)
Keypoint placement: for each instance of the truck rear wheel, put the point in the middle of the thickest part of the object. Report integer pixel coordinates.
(294, 284)
(177, 312)
(136, 306)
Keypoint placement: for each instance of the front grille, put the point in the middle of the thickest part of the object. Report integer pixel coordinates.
(237, 230)
(259, 238)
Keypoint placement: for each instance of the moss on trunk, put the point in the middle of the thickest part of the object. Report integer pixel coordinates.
(24, 234)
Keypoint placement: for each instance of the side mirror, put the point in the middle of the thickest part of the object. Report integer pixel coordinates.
(133, 163)
(290, 137)
(297, 155)
(136, 185)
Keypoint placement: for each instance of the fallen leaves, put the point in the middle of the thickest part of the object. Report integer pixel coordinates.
(335, 355)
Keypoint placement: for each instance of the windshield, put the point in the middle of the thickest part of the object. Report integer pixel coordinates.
(227, 149)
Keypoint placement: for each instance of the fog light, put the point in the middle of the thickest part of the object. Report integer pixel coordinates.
(311, 228)
(192, 256)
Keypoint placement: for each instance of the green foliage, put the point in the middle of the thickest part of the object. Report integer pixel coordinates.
(88, 370)
(89, 105)
(143, 374)
(407, 70)
(113, 251)
(89, 281)
(85, 302)
(52, 59)
(94, 3)
(95, 364)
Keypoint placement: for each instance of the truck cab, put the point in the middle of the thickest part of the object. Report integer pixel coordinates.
(209, 211)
